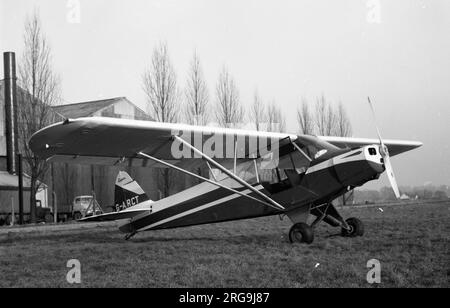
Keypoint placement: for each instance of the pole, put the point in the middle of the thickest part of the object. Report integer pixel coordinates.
(11, 128)
(12, 212)
(55, 208)
(20, 178)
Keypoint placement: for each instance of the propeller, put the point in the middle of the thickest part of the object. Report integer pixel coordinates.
(385, 154)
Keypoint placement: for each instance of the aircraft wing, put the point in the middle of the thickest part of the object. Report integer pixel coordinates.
(112, 141)
(395, 146)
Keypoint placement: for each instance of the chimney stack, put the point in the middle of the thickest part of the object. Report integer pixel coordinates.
(11, 129)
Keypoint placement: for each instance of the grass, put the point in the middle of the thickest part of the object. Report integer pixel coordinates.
(411, 242)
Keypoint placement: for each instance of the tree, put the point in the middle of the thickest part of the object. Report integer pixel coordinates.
(305, 118)
(343, 125)
(257, 111)
(439, 195)
(325, 117)
(229, 111)
(197, 96)
(326, 120)
(276, 121)
(160, 87)
(41, 87)
(343, 128)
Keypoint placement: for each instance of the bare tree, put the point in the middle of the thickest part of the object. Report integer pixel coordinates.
(197, 96)
(160, 87)
(325, 117)
(197, 99)
(305, 119)
(257, 111)
(329, 121)
(276, 121)
(229, 111)
(343, 128)
(41, 87)
(343, 125)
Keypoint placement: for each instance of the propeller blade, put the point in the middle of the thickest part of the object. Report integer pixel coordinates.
(384, 151)
(375, 122)
(391, 176)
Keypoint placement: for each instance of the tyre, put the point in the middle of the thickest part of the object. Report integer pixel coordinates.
(77, 216)
(8, 220)
(356, 228)
(48, 218)
(301, 233)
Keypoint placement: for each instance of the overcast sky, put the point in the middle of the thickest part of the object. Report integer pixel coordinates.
(396, 52)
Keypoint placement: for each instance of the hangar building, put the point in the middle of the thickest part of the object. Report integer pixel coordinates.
(76, 180)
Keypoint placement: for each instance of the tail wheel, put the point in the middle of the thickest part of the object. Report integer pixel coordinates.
(301, 233)
(356, 228)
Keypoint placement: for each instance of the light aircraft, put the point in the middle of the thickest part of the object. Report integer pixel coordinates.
(307, 172)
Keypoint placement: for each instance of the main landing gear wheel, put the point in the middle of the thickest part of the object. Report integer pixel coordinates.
(301, 233)
(356, 228)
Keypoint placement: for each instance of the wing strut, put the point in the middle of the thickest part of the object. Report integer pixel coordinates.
(301, 151)
(230, 174)
(203, 178)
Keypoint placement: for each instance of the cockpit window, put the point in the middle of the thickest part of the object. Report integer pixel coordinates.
(372, 151)
(315, 147)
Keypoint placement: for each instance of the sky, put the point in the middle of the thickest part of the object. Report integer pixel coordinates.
(396, 52)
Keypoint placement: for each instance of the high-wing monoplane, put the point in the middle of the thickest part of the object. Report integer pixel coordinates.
(252, 173)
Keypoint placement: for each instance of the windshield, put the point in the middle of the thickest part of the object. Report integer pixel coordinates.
(269, 168)
(315, 147)
(83, 199)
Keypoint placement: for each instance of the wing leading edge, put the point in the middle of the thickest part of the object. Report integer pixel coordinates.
(395, 146)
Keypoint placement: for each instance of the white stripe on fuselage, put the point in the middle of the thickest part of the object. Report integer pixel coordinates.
(343, 158)
(199, 208)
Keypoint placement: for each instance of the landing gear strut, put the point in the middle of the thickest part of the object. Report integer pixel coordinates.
(301, 233)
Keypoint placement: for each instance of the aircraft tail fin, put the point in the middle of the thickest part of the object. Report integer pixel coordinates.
(127, 192)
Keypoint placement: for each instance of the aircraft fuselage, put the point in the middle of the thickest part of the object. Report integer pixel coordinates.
(323, 181)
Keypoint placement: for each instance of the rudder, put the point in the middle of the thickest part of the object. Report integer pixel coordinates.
(127, 192)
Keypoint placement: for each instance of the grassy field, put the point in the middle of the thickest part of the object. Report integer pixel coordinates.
(411, 242)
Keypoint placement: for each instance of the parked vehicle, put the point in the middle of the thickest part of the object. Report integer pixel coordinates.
(43, 214)
(84, 206)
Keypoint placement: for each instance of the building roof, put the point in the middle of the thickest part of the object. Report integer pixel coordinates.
(11, 182)
(85, 109)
